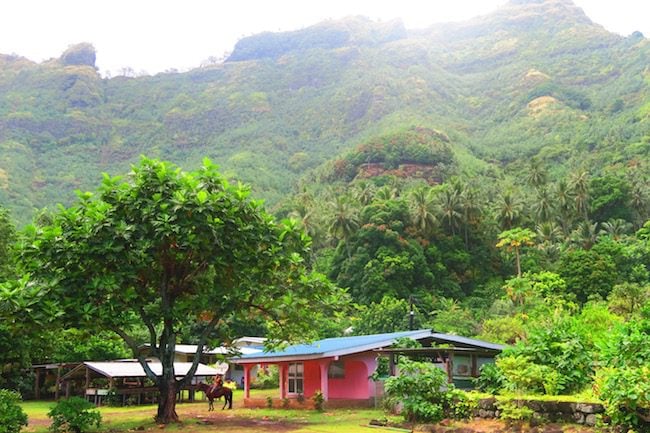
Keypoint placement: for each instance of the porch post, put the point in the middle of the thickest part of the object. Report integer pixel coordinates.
(37, 384)
(87, 384)
(324, 381)
(58, 380)
(283, 380)
(450, 367)
(247, 380)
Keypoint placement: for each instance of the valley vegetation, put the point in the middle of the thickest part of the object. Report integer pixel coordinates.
(490, 176)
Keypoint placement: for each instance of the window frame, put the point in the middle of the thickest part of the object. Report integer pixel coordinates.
(296, 378)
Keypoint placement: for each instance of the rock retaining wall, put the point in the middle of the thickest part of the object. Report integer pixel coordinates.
(553, 411)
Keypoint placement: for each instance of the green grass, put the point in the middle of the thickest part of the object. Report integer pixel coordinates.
(196, 419)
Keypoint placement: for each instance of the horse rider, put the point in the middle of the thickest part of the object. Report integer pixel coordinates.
(217, 383)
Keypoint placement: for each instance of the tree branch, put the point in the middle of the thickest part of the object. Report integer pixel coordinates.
(199, 350)
(152, 332)
(130, 341)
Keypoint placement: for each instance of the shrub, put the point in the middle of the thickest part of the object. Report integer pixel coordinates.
(426, 396)
(269, 402)
(622, 383)
(521, 374)
(74, 415)
(490, 380)
(514, 411)
(626, 394)
(12, 417)
(319, 400)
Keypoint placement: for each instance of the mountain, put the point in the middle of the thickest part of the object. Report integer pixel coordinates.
(534, 78)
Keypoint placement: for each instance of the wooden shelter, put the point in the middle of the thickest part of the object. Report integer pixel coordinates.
(124, 381)
(460, 357)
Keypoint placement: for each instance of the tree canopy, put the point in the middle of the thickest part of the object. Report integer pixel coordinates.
(162, 249)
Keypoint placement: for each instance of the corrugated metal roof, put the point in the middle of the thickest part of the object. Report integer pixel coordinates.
(466, 342)
(190, 349)
(333, 347)
(134, 369)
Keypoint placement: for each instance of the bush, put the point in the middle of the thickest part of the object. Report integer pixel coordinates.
(426, 396)
(514, 411)
(490, 380)
(319, 400)
(74, 415)
(626, 394)
(522, 375)
(622, 383)
(12, 417)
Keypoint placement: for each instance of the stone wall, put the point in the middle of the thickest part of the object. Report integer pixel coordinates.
(553, 411)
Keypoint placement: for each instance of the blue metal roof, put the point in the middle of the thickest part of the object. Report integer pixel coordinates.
(457, 340)
(334, 347)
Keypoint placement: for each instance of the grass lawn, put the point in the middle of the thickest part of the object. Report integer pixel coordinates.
(195, 418)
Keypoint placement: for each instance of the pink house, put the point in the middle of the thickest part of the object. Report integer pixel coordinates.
(338, 367)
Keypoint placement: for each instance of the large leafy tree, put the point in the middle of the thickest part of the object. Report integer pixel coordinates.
(164, 248)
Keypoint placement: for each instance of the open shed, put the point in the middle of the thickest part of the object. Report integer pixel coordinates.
(125, 381)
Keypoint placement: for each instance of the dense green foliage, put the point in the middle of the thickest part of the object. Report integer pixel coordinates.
(623, 382)
(163, 249)
(426, 396)
(531, 79)
(486, 178)
(74, 415)
(12, 417)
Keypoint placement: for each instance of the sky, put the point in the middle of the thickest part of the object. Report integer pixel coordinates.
(151, 36)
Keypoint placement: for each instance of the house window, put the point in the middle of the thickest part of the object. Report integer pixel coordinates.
(336, 370)
(296, 378)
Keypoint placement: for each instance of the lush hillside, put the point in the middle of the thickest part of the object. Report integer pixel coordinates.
(533, 78)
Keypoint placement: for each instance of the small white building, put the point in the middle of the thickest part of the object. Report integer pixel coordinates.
(216, 357)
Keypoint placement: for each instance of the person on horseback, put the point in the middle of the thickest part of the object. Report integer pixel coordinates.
(217, 383)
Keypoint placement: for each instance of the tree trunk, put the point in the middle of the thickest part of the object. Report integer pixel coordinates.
(167, 385)
(167, 403)
(518, 262)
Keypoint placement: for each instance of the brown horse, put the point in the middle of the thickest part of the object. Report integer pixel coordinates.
(211, 394)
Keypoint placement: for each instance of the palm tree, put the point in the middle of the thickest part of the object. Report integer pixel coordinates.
(543, 206)
(450, 209)
(564, 205)
(586, 235)
(639, 202)
(580, 189)
(365, 192)
(548, 235)
(537, 174)
(548, 232)
(423, 210)
(344, 221)
(470, 207)
(509, 210)
(386, 193)
(616, 228)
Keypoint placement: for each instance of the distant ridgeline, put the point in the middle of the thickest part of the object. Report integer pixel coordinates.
(413, 152)
(532, 79)
(352, 31)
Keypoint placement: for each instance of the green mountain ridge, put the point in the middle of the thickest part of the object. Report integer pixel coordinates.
(532, 78)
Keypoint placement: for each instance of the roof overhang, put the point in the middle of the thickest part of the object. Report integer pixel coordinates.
(269, 358)
(438, 350)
